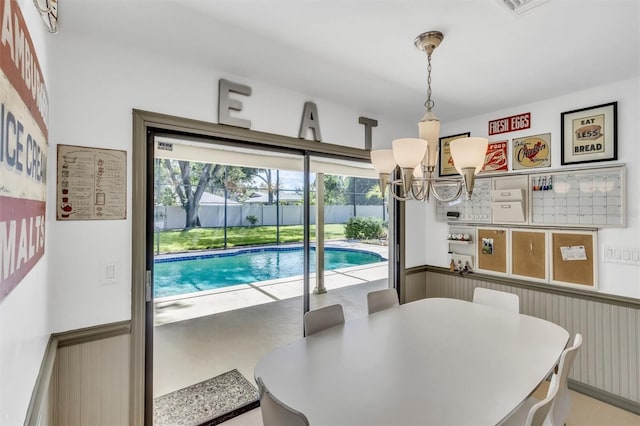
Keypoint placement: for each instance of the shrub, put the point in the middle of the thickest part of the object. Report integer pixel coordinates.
(363, 228)
(252, 220)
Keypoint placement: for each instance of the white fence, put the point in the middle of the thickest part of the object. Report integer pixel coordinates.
(174, 217)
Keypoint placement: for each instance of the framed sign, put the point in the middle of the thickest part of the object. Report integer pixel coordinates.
(92, 183)
(446, 161)
(589, 134)
(532, 152)
(496, 159)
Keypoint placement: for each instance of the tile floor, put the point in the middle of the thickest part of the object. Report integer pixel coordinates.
(203, 337)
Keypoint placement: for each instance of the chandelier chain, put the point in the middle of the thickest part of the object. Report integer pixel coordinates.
(429, 103)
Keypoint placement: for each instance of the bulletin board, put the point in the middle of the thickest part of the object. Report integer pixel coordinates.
(573, 258)
(529, 254)
(492, 249)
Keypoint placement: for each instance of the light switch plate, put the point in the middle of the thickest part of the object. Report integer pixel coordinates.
(615, 254)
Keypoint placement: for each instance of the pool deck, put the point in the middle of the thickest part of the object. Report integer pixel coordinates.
(193, 305)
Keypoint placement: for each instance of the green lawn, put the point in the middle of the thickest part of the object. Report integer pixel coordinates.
(213, 238)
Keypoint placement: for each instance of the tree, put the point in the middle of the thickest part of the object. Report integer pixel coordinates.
(189, 181)
(374, 193)
(268, 183)
(335, 189)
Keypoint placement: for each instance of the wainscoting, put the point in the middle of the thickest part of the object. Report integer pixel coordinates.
(608, 364)
(84, 378)
(85, 374)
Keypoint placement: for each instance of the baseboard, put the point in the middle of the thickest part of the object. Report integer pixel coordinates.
(609, 398)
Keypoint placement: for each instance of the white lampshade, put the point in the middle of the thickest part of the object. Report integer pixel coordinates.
(469, 152)
(408, 152)
(429, 130)
(383, 161)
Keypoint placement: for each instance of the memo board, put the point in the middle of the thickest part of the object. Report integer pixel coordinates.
(529, 253)
(492, 249)
(576, 265)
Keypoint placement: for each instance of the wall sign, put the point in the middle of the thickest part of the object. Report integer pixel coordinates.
(447, 168)
(24, 114)
(310, 120)
(510, 124)
(496, 159)
(589, 134)
(532, 152)
(92, 183)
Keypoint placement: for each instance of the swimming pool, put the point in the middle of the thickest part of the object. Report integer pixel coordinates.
(187, 274)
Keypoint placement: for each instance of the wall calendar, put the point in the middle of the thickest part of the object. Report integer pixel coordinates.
(588, 198)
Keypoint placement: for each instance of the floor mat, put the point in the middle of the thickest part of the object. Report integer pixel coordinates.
(207, 403)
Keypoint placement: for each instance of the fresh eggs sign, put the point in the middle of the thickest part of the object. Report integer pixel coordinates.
(510, 124)
(24, 113)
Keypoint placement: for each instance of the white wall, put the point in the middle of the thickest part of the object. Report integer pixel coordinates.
(24, 330)
(545, 116)
(96, 86)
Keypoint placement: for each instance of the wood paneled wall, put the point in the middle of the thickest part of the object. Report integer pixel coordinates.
(609, 359)
(92, 383)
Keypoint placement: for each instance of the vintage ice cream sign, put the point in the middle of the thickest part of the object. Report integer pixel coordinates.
(24, 110)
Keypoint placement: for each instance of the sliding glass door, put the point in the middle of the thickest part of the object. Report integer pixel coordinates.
(350, 245)
(245, 240)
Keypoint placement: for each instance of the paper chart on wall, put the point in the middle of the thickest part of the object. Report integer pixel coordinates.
(92, 183)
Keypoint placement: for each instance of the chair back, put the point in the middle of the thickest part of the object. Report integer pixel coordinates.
(539, 411)
(562, 404)
(322, 318)
(382, 299)
(275, 412)
(497, 299)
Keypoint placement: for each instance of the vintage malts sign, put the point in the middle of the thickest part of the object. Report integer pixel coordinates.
(24, 113)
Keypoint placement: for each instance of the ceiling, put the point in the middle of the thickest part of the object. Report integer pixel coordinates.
(361, 53)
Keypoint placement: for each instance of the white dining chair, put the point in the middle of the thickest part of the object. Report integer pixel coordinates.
(275, 412)
(497, 299)
(559, 412)
(534, 412)
(322, 318)
(562, 405)
(382, 299)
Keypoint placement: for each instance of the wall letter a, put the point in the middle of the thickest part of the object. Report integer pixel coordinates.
(311, 121)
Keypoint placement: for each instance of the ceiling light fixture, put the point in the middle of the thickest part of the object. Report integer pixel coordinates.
(418, 157)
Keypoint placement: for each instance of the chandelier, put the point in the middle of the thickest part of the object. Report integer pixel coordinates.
(418, 157)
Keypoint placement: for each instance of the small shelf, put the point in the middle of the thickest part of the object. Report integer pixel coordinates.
(460, 242)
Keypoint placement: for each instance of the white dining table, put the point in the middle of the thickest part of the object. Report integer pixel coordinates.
(434, 361)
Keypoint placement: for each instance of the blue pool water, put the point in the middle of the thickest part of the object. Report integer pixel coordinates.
(174, 276)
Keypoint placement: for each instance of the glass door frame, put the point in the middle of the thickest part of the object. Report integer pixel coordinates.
(146, 125)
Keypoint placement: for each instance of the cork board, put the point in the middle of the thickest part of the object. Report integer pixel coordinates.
(529, 254)
(572, 270)
(492, 249)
